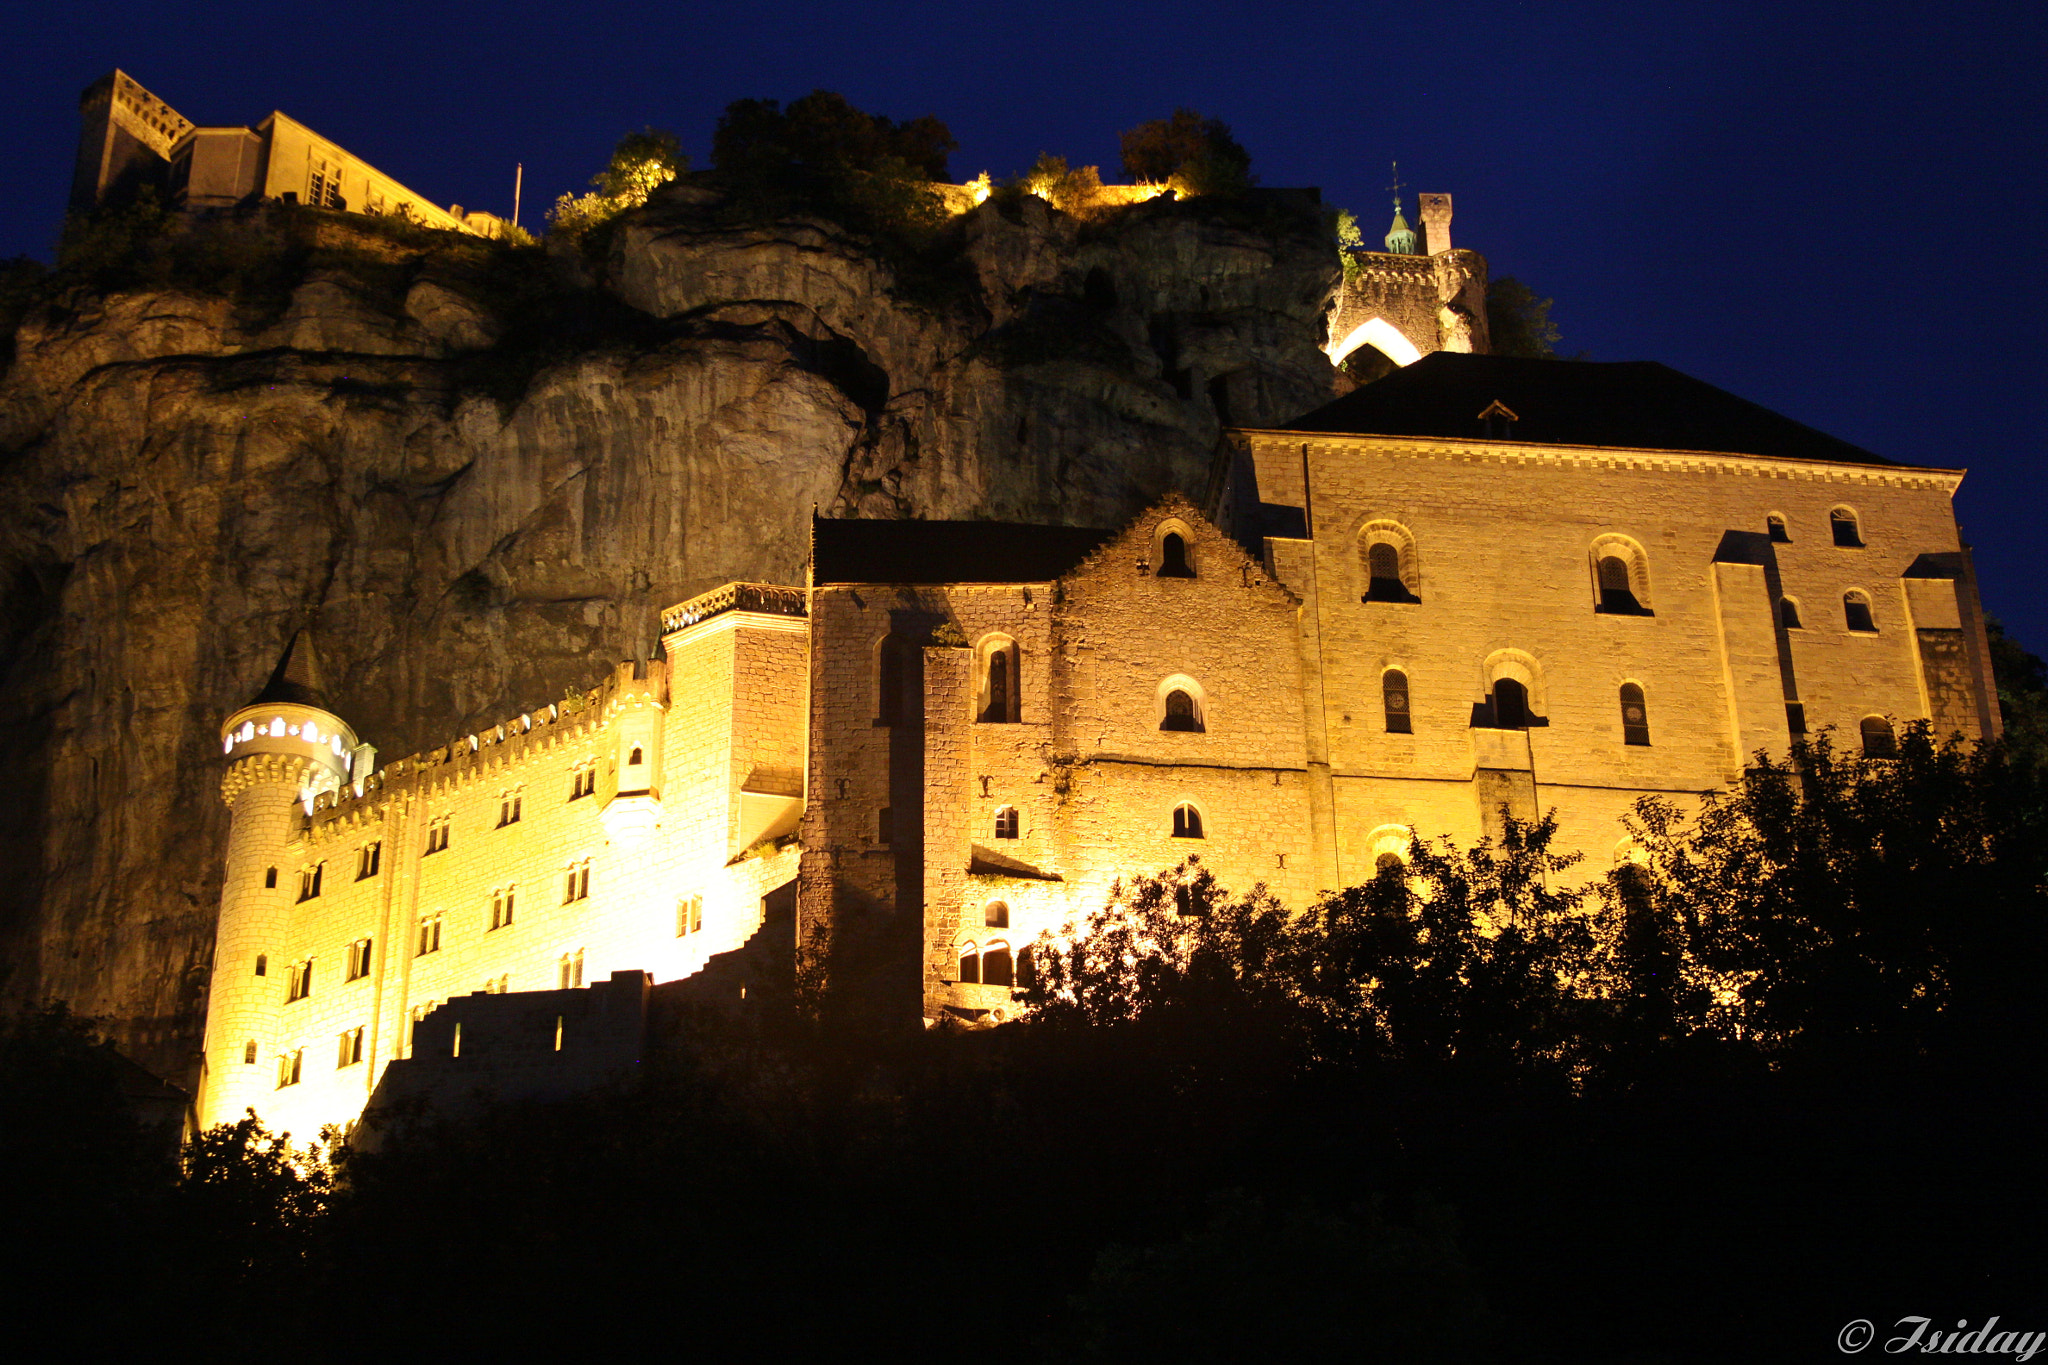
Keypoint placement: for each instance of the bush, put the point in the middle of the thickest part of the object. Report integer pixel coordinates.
(1192, 154)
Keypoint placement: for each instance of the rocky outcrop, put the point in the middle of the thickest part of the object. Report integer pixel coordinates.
(477, 510)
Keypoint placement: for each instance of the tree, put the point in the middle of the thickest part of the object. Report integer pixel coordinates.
(1195, 155)
(824, 133)
(1518, 322)
(640, 164)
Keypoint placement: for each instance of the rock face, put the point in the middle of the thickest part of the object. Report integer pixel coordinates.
(185, 481)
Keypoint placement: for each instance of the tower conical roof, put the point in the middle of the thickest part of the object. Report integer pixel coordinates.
(297, 677)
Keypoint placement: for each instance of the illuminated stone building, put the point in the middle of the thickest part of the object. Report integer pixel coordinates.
(131, 141)
(1478, 586)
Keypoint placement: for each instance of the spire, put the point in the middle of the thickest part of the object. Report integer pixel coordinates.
(1400, 237)
(297, 678)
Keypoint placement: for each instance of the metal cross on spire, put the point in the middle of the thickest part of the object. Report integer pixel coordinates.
(1397, 186)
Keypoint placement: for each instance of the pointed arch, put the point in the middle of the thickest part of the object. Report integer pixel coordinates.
(1382, 336)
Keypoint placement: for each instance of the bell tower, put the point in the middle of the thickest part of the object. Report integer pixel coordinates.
(283, 749)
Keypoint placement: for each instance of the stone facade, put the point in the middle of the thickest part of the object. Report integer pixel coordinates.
(959, 736)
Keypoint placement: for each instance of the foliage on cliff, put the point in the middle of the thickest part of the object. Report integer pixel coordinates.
(872, 173)
(1193, 154)
(641, 164)
(1518, 321)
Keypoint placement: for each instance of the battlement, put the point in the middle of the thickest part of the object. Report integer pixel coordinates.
(770, 599)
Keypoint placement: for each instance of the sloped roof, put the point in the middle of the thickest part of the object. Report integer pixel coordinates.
(1636, 404)
(946, 551)
(297, 677)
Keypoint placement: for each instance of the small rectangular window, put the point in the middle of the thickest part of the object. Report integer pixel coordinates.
(300, 984)
(368, 858)
(508, 809)
(430, 936)
(289, 1067)
(351, 1050)
(689, 915)
(309, 881)
(359, 959)
(1795, 717)
(437, 835)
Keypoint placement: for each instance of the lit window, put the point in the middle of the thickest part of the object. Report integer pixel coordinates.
(437, 834)
(359, 959)
(689, 915)
(1187, 821)
(249, 1053)
(576, 882)
(509, 804)
(1006, 823)
(289, 1065)
(1856, 610)
(501, 906)
(1635, 717)
(351, 1050)
(583, 781)
(570, 971)
(1394, 693)
(1181, 713)
(429, 936)
(300, 983)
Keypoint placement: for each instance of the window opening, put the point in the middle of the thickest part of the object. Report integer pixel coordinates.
(309, 880)
(1510, 705)
(689, 915)
(885, 826)
(1795, 717)
(508, 808)
(1878, 739)
(1383, 574)
(1180, 713)
(1173, 557)
(1006, 823)
(288, 1067)
(1617, 588)
(249, 1053)
(299, 984)
(1856, 608)
(1187, 821)
(1394, 692)
(501, 907)
(351, 1050)
(970, 964)
(635, 759)
(1635, 717)
(262, 964)
(1776, 527)
(1788, 613)
(270, 879)
(1848, 535)
(996, 915)
(996, 967)
(576, 882)
(369, 858)
(359, 959)
(430, 936)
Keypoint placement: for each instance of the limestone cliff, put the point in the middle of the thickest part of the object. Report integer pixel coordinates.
(479, 496)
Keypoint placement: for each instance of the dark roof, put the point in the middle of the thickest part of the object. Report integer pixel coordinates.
(297, 676)
(1636, 404)
(946, 551)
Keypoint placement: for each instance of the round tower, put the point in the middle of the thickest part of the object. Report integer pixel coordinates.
(283, 749)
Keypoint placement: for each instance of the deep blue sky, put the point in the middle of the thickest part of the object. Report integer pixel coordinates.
(1836, 210)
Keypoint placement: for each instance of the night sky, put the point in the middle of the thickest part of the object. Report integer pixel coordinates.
(1834, 210)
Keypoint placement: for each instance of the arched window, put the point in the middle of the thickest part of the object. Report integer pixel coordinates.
(1878, 739)
(1006, 822)
(262, 964)
(1776, 526)
(1788, 613)
(1001, 699)
(1617, 592)
(970, 964)
(1510, 705)
(1389, 865)
(996, 968)
(1173, 557)
(1027, 967)
(1187, 821)
(270, 879)
(1394, 693)
(996, 915)
(1388, 555)
(1848, 535)
(1856, 609)
(635, 759)
(1181, 713)
(1635, 717)
(1383, 575)
(249, 1053)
